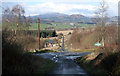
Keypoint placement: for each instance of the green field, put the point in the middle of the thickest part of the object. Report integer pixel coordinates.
(34, 26)
(86, 25)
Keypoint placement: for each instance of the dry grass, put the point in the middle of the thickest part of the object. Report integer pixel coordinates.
(64, 32)
(85, 39)
(101, 63)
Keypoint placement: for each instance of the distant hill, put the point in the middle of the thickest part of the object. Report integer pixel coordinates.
(59, 17)
(50, 15)
(62, 18)
(115, 18)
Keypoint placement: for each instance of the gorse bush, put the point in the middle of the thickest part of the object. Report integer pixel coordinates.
(111, 63)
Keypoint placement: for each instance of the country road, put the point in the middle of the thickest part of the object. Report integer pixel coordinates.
(65, 62)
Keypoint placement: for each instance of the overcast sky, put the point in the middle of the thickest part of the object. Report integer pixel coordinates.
(84, 7)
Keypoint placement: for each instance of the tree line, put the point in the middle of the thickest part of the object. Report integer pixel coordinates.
(43, 33)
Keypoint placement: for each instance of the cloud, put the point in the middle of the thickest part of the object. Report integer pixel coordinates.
(65, 6)
(70, 1)
(49, 7)
(113, 1)
(112, 7)
(51, 1)
(88, 15)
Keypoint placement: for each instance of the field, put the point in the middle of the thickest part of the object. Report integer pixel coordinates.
(34, 26)
(86, 25)
(56, 26)
(66, 32)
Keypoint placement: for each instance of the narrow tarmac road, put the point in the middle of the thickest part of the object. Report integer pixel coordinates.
(65, 63)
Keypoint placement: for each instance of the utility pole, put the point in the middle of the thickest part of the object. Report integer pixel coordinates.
(39, 32)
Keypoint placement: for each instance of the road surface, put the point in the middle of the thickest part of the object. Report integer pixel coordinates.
(65, 62)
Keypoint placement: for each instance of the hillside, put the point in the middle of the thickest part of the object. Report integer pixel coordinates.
(59, 17)
(64, 18)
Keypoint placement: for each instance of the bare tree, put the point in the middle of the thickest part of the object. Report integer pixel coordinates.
(16, 18)
(101, 16)
(18, 12)
(6, 15)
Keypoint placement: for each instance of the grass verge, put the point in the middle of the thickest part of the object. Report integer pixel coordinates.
(83, 50)
(101, 64)
(42, 51)
(15, 61)
(92, 70)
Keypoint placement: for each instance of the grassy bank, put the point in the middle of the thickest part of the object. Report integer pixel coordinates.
(26, 64)
(83, 50)
(43, 51)
(15, 59)
(100, 64)
(91, 69)
(87, 37)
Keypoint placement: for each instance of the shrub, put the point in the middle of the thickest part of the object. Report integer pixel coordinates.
(82, 39)
(109, 62)
(16, 61)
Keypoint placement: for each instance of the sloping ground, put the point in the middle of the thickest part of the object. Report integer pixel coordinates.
(86, 38)
(16, 61)
(101, 64)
